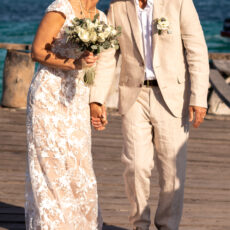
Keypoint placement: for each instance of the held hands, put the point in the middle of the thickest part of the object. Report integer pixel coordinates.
(98, 116)
(200, 113)
(87, 59)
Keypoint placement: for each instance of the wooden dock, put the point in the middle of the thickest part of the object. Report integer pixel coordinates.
(207, 193)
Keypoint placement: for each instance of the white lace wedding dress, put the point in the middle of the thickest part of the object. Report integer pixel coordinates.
(61, 189)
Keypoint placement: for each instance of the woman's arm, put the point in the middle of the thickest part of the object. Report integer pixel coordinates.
(41, 50)
(48, 30)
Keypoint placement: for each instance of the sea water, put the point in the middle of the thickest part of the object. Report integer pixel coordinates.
(19, 20)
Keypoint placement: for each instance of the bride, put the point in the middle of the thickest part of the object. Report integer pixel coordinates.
(61, 189)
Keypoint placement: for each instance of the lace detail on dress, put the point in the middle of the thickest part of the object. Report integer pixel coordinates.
(61, 189)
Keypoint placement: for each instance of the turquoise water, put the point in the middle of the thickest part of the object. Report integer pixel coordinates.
(19, 20)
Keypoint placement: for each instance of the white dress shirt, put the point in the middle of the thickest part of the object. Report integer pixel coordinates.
(145, 18)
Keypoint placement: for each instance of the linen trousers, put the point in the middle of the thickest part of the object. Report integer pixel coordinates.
(146, 125)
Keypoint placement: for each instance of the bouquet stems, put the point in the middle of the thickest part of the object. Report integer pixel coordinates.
(89, 75)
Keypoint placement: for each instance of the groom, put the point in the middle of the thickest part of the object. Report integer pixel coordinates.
(163, 85)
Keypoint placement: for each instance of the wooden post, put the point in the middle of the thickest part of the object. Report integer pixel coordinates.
(18, 73)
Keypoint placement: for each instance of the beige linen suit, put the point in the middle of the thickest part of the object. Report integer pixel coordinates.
(159, 115)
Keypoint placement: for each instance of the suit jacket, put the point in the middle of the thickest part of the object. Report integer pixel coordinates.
(180, 59)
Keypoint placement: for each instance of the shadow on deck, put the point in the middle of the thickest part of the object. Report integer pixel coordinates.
(12, 218)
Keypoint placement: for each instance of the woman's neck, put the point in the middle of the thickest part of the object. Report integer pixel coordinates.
(89, 5)
(84, 8)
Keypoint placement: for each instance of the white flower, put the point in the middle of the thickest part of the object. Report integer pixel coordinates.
(96, 23)
(108, 31)
(83, 35)
(99, 28)
(163, 25)
(114, 32)
(77, 29)
(93, 36)
(101, 37)
(90, 24)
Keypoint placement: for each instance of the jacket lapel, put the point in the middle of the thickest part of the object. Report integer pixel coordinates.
(133, 19)
(157, 11)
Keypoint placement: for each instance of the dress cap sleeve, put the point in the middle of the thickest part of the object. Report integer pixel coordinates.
(59, 6)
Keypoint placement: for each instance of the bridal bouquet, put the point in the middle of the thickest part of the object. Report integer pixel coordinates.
(93, 36)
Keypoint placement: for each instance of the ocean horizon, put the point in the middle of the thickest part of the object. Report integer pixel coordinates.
(19, 20)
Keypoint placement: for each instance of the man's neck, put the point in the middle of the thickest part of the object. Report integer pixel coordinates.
(142, 3)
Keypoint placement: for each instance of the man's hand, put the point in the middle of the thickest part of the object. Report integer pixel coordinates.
(87, 59)
(104, 116)
(98, 116)
(200, 113)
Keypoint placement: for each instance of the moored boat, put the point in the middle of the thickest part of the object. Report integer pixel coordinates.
(226, 30)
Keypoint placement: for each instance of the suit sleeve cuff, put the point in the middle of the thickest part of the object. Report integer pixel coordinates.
(194, 101)
(96, 96)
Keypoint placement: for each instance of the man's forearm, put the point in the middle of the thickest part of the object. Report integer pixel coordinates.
(196, 53)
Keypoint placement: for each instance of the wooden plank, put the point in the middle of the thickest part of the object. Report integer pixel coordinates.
(206, 203)
(222, 65)
(220, 86)
(219, 56)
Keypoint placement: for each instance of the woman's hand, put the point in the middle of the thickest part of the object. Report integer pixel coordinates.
(87, 59)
